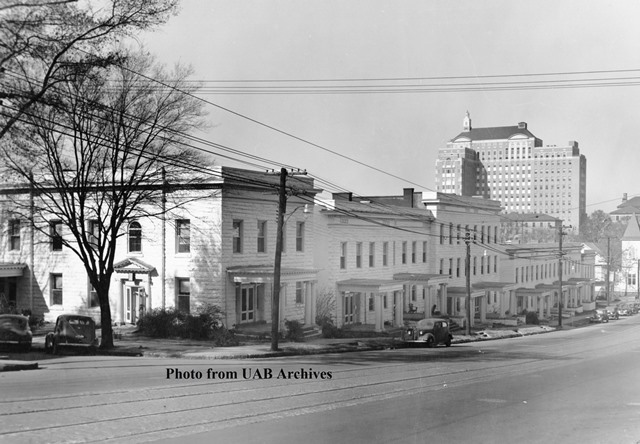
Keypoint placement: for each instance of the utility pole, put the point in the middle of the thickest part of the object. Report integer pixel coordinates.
(606, 278)
(559, 224)
(282, 209)
(275, 302)
(467, 273)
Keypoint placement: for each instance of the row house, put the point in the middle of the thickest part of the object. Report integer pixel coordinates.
(375, 261)
(217, 247)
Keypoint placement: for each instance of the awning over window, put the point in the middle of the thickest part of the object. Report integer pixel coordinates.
(260, 274)
(11, 270)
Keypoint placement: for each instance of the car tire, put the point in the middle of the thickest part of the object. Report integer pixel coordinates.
(448, 343)
(47, 346)
(431, 343)
(54, 347)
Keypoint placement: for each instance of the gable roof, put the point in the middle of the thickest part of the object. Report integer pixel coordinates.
(629, 206)
(632, 232)
(493, 133)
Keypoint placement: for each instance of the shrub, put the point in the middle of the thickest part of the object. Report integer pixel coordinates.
(532, 318)
(294, 331)
(325, 308)
(206, 323)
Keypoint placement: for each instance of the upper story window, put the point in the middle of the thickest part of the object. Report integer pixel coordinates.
(299, 236)
(55, 234)
(135, 237)
(14, 234)
(262, 236)
(404, 252)
(424, 252)
(358, 254)
(372, 251)
(343, 255)
(414, 247)
(237, 236)
(385, 254)
(183, 236)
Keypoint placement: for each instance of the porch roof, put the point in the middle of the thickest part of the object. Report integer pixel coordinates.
(260, 274)
(488, 285)
(462, 292)
(133, 265)
(372, 285)
(534, 291)
(8, 269)
(421, 278)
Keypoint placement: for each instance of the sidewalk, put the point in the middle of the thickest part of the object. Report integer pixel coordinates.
(132, 344)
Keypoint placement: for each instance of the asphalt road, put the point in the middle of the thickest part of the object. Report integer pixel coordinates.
(574, 386)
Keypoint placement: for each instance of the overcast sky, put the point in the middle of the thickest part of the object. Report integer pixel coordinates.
(400, 133)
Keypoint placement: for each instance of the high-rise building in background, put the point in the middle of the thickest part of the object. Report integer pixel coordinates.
(511, 165)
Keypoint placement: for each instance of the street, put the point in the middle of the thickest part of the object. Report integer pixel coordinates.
(568, 386)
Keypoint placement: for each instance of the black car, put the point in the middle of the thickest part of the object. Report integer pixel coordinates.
(15, 331)
(72, 331)
(430, 332)
(599, 316)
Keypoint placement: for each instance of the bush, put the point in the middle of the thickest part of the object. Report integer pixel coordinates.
(206, 323)
(294, 331)
(532, 318)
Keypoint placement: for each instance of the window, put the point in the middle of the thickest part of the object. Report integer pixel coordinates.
(262, 235)
(299, 292)
(424, 252)
(441, 234)
(359, 255)
(183, 236)
(184, 295)
(385, 254)
(450, 233)
(404, 252)
(458, 267)
(384, 301)
(14, 234)
(475, 262)
(450, 267)
(372, 305)
(56, 289)
(135, 237)
(55, 233)
(631, 279)
(299, 236)
(372, 251)
(92, 296)
(441, 266)
(414, 247)
(343, 255)
(237, 236)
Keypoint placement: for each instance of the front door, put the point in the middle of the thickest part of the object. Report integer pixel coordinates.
(247, 303)
(131, 305)
(348, 308)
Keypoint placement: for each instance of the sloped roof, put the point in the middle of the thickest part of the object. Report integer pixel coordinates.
(632, 232)
(629, 206)
(493, 133)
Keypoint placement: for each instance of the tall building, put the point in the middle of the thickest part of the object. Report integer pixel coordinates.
(511, 165)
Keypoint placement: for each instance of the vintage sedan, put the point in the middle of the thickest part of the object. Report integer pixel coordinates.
(599, 316)
(72, 331)
(429, 332)
(15, 331)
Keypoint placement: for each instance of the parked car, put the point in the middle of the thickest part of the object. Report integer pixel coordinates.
(599, 316)
(430, 332)
(71, 331)
(613, 313)
(623, 310)
(15, 331)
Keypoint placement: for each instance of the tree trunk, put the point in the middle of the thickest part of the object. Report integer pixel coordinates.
(106, 342)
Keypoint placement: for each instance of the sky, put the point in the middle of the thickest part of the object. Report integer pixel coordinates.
(377, 143)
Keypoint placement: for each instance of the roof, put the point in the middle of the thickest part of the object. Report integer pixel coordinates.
(632, 232)
(493, 133)
(346, 208)
(530, 217)
(265, 273)
(374, 285)
(11, 269)
(420, 277)
(133, 265)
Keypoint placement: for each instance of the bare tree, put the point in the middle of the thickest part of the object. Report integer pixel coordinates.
(100, 153)
(46, 42)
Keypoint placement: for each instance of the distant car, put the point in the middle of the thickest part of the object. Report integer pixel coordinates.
(71, 331)
(613, 313)
(599, 316)
(15, 331)
(430, 332)
(623, 310)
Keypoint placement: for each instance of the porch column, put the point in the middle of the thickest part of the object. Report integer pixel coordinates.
(399, 321)
(443, 302)
(549, 304)
(502, 305)
(540, 307)
(379, 311)
(307, 303)
(120, 303)
(483, 308)
(149, 306)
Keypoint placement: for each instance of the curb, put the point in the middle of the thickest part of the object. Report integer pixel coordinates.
(14, 366)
